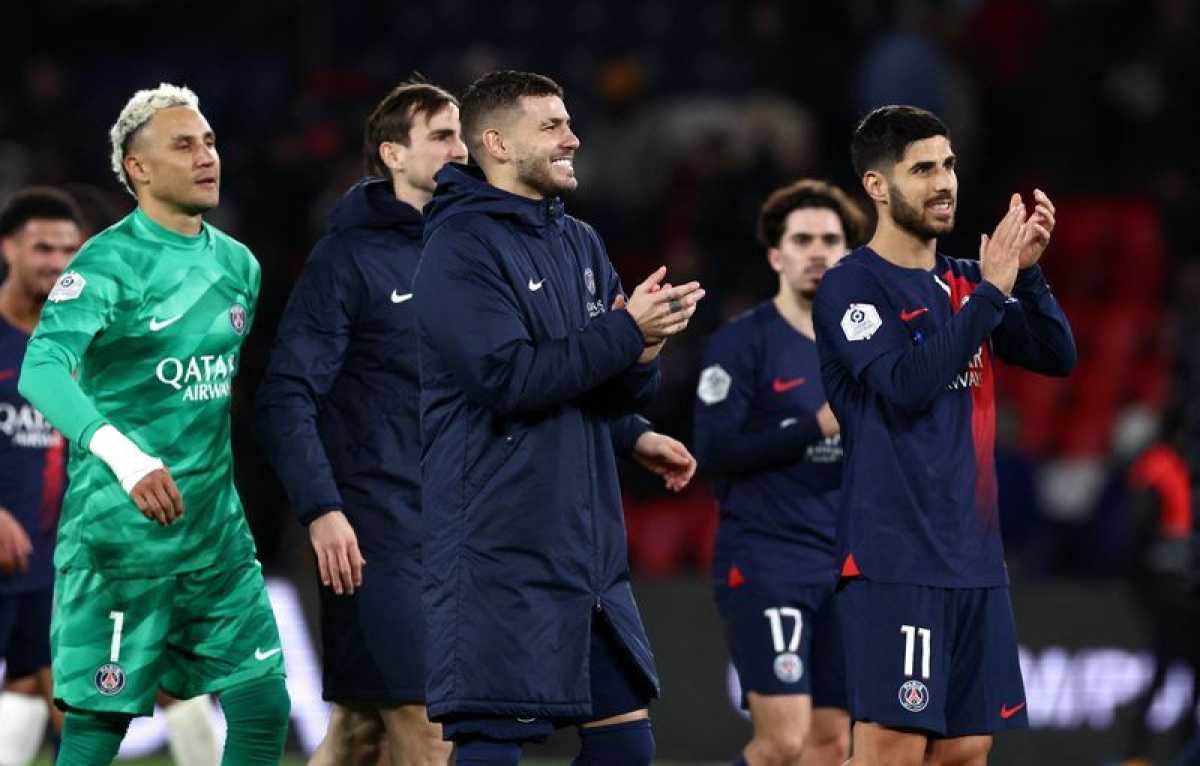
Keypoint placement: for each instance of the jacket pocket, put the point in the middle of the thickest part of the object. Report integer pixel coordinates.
(492, 449)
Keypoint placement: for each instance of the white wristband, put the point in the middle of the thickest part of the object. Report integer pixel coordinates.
(127, 461)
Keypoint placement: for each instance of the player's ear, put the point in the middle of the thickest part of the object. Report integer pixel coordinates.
(494, 145)
(876, 186)
(775, 258)
(135, 169)
(8, 249)
(392, 155)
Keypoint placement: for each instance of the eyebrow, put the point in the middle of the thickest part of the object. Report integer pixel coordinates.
(950, 159)
(441, 133)
(189, 136)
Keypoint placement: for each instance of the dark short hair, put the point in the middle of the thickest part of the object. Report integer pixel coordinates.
(392, 118)
(38, 202)
(884, 134)
(499, 90)
(806, 193)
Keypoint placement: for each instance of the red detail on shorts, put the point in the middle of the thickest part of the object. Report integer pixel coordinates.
(849, 567)
(6, 374)
(1007, 712)
(735, 579)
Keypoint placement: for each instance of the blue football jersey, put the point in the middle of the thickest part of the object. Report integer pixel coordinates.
(756, 435)
(32, 467)
(908, 359)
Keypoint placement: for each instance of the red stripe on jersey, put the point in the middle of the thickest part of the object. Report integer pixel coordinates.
(850, 567)
(53, 480)
(983, 409)
(735, 579)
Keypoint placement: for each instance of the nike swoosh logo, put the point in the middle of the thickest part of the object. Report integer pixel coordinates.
(1007, 712)
(535, 286)
(260, 655)
(783, 386)
(6, 374)
(908, 316)
(398, 298)
(156, 325)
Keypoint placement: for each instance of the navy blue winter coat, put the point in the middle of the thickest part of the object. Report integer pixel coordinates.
(522, 364)
(337, 408)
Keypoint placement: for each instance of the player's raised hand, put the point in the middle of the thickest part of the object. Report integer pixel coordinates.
(666, 457)
(652, 350)
(157, 497)
(999, 254)
(15, 547)
(661, 311)
(1041, 225)
(339, 561)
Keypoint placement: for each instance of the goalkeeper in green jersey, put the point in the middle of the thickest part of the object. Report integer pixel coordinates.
(133, 361)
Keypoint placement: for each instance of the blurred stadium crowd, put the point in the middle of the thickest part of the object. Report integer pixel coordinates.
(690, 113)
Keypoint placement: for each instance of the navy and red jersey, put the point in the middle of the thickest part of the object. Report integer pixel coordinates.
(33, 459)
(907, 358)
(756, 435)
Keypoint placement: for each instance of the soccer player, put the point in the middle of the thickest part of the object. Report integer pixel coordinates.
(132, 362)
(338, 415)
(40, 229)
(527, 350)
(767, 436)
(907, 339)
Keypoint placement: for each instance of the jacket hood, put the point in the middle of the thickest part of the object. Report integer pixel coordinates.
(370, 204)
(464, 189)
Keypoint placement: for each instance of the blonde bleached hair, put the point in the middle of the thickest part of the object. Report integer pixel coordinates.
(137, 112)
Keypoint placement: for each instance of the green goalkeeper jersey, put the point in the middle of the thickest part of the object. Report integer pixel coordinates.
(150, 322)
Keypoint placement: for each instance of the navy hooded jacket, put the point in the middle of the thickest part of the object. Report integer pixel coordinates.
(337, 408)
(522, 364)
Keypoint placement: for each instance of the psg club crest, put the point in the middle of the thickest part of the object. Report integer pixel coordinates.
(589, 280)
(237, 318)
(914, 697)
(110, 679)
(788, 667)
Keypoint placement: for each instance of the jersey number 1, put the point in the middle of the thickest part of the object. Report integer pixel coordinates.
(910, 639)
(114, 651)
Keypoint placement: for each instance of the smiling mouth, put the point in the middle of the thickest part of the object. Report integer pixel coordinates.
(941, 206)
(567, 163)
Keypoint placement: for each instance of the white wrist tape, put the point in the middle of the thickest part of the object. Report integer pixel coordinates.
(127, 461)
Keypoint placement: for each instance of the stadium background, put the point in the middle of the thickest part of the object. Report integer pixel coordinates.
(689, 112)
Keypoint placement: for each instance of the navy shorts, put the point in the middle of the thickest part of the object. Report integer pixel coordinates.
(785, 640)
(939, 660)
(373, 643)
(25, 631)
(618, 687)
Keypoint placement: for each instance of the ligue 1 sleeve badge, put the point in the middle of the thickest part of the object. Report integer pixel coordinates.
(67, 288)
(237, 318)
(110, 679)
(914, 696)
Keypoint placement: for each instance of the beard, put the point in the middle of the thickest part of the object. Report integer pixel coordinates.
(911, 219)
(537, 174)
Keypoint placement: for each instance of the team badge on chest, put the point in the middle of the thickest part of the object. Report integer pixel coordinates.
(589, 281)
(237, 318)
